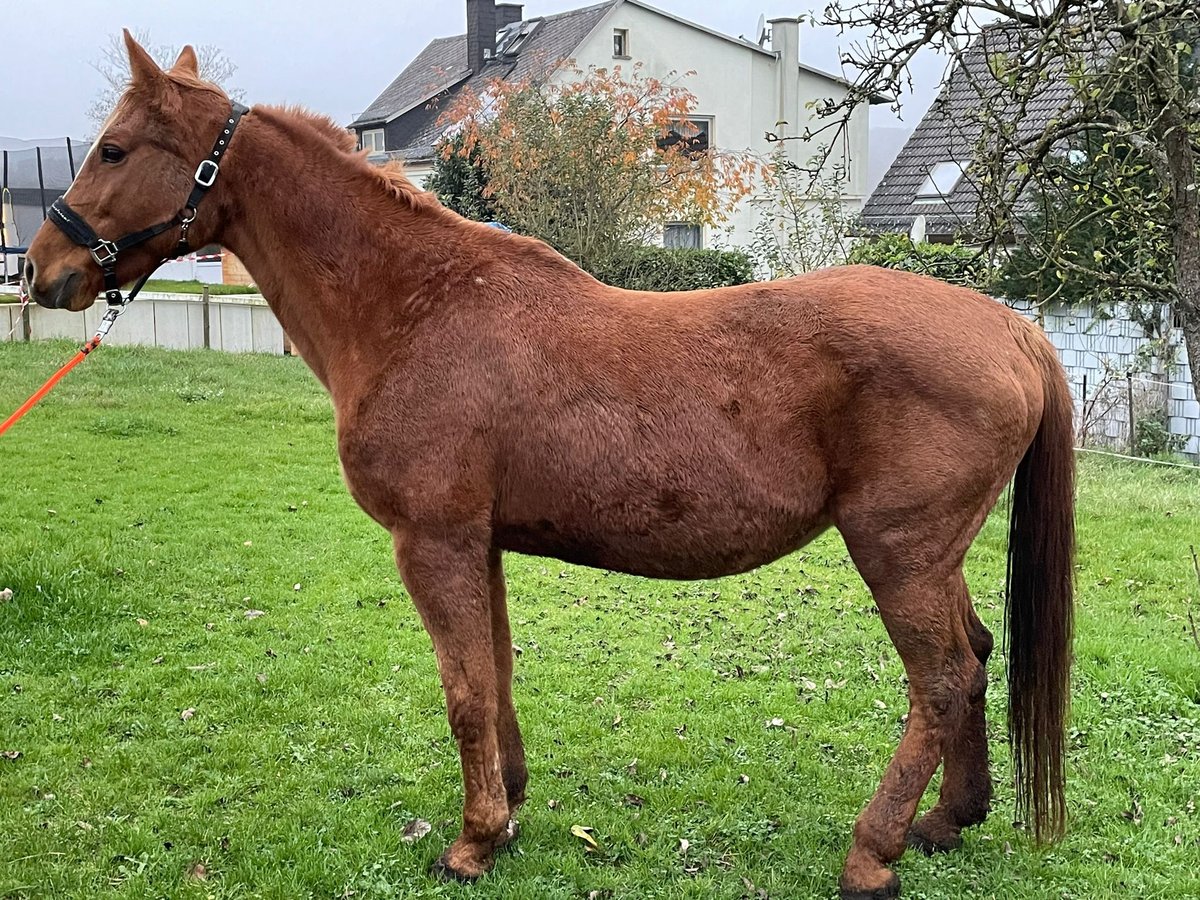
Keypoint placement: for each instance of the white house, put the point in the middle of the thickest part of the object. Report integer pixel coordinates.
(743, 89)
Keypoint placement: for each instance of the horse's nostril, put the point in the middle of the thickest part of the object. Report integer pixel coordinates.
(30, 271)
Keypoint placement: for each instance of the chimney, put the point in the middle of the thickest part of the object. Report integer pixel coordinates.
(507, 13)
(785, 44)
(481, 33)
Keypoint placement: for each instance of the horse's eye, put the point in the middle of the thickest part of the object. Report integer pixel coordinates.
(111, 154)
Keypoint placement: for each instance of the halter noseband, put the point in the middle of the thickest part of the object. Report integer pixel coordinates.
(105, 253)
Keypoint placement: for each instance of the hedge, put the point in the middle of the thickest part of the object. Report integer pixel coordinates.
(660, 269)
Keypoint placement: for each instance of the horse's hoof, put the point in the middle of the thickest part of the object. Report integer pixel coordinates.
(888, 891)
(931, 844)
(445, 870)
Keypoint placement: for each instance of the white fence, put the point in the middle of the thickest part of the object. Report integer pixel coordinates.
(238, 323)
(1106, 364)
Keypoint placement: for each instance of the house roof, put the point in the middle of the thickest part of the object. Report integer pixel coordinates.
(440, 71)
(948, 133)
(427, 86)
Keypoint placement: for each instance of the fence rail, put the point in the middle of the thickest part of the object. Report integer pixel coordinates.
(239, 323)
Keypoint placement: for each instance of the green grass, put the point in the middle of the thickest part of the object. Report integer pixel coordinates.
(155, 497)
(168, 286)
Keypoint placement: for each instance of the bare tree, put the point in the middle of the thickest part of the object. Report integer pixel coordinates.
(1092, 98)
(113, 66)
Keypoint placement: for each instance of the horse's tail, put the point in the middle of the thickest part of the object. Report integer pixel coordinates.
(1041, 547)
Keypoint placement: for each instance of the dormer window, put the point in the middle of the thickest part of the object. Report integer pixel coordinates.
(621, 43)
(372, 141)
(941, 181)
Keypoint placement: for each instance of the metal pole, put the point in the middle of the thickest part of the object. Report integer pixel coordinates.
(41, 181)
(1129, 397)
(3, 232)
(207, 336)
(1083, 414)
(71, 159)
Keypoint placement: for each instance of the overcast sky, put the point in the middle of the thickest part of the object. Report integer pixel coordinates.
(333, 57)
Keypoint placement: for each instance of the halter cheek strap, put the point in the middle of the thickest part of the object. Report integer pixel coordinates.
(105, 252)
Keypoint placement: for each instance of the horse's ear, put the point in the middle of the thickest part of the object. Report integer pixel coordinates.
(141, 64)
(187, 62)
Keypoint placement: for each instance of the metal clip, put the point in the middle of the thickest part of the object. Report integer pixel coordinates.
(104, 253)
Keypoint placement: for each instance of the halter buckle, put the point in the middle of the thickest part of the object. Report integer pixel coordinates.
(206, 173)
(104, 253)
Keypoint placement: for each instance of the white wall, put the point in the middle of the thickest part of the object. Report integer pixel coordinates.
(241, 323)
(735, 84)
(1092, 349)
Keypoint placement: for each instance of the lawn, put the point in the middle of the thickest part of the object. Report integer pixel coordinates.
(162, 738)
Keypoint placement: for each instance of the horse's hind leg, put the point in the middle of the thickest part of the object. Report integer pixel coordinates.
(448, 578)
(508, 734)
(966, 782)
(919, 611)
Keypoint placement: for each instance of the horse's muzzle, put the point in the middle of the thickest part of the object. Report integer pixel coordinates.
(59, 294)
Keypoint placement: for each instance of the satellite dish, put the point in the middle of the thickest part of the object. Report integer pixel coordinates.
(761, 30)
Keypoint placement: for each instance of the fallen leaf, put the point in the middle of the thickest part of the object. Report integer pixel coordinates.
(202, 667)
(142, 623)
(415, 830)
(197, 872)
(743, 779)
(6, 595)
(775, 723)
(684, 844)
(187, 714)
(296, 586)
(584, 833)
(254, 613)
(157, 661)
(617, 721)
(632, 767)
(261, 677)
(11, 754)
(808, 684)
(552, 804)
(879, 704)
(635, 801)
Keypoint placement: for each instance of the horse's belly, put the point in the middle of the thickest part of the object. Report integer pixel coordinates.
(663, 533)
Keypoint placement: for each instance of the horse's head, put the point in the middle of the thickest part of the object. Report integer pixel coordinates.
(138, 174)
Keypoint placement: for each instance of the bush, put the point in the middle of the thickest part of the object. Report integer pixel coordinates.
(1153, 436)
(954, 263)
(660, 269)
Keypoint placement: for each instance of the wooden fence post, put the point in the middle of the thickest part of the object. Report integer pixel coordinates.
(26, 326)
(207, 335)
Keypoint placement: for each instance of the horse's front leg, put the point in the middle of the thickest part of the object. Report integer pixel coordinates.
(447, 574)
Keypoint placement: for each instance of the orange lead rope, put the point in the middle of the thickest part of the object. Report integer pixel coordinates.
(105, 325)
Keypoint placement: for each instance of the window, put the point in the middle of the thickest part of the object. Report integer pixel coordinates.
(693, 134)
(372, 141)
(621, 43)
(682, 236)
(941, 181)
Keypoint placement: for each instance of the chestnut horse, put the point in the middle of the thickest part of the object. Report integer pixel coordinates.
(490, 396)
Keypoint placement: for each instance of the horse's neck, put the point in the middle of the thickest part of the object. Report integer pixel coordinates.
(334, 254)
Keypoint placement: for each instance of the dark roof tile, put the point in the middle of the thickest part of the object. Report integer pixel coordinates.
(949, 132)
(430, 82)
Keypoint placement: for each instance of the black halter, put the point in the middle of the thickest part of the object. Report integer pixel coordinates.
(105, 252)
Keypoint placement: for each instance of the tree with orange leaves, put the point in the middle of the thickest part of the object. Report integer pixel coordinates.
(596, 163)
